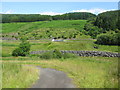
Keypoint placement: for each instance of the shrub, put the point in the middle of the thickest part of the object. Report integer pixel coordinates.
(25, 46)
(22, 50)
(23, 39)
(116, 39)
(51, 54)
(111, 39)
(19, 52)
(103, 39)
(47, 55)
(90, 29)
(56, 55)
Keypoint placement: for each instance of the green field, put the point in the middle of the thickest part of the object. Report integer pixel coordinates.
(44, 29)
(16, 75)
(37, 45)
(86, 72)
(14, 27)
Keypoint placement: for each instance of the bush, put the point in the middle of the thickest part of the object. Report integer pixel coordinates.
(25, 46)
(116, 39)
(56, 55)
(47, 55)
(112, 39)
(103, 39)
(22, 50)
(19, 52)
(90, 29)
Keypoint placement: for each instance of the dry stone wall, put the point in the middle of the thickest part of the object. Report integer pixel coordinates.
(84, 53)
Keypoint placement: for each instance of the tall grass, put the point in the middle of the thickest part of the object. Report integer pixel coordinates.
(18, 76)
(7, 51)
(0, 74)
(88, 72)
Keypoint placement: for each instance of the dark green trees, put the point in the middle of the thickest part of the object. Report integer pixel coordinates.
(109, 39)
(108, 20)
(7, 18)
(74, 16)
(92, 30)
(22, 50)
(103, 23)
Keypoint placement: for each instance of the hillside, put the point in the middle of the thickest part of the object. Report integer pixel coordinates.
(96, 69)
(66, 26)
(7, 18)
(108, 20)
(44, 29)
(105, 28)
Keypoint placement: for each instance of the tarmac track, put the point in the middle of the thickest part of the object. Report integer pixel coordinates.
(50, 78)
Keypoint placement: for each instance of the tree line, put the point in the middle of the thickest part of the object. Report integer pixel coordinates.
(8, 18)
(107, 23)
(109, 20)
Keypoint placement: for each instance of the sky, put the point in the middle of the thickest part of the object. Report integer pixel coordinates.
(59, 0)
(56, 8)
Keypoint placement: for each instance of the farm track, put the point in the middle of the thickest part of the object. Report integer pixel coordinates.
(51, 78)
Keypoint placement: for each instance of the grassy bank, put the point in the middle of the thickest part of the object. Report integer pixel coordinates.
(44, 29)
(16, 75)
(86, 72)
(36, 45)
(30, 26)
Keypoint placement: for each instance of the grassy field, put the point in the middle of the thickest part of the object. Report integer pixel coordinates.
(44, 29)
(11, 27)
(36, 45)
(86, 72)
(14, 27)
(15, 75)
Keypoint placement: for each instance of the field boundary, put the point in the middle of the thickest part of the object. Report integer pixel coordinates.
(82, 53)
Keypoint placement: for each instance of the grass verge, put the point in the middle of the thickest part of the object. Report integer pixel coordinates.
(16, 75)
(86, 72)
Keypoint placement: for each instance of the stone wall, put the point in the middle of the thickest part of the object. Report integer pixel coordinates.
(84, 53)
